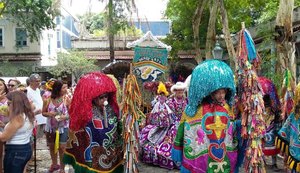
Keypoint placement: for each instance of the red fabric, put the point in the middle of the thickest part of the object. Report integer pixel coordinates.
(271, 152)
(89, 87)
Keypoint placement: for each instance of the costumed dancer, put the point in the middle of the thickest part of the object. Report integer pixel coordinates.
(250, 97)
(271, 117)
(177, 102)
(205, 140)
(288, 139)
(157, 137)
(95, 143)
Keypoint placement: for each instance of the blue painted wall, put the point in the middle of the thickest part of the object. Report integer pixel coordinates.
(158, 28)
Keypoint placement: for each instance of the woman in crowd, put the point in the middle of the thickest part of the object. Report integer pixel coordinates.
(48, 88)
(13, 84)
(95, 143)
(3, 114)
(57, 126)
(17, 132)
(205, 137)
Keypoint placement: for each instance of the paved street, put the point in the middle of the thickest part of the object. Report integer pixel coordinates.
(44, 163)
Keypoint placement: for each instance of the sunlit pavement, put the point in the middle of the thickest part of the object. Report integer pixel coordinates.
(44, 162)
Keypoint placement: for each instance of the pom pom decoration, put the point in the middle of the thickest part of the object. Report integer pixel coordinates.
(89, 87)
(251, 99)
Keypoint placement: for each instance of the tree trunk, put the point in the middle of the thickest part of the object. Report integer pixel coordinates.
(285, 44)
(211, 30)
(196, 23)
(110, 31)
(227, 37)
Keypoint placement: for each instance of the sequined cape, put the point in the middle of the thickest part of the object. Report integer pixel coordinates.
(200, 147)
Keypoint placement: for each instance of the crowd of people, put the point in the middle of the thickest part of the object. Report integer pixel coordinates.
(32, 110)
(194, 126)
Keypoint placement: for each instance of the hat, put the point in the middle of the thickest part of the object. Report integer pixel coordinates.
(178, 86)
(162, 89)
(208, 77)
(90, 86)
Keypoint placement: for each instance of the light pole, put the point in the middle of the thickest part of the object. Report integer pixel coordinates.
(217, 51)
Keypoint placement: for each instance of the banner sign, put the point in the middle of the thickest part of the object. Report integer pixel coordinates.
(149, 63)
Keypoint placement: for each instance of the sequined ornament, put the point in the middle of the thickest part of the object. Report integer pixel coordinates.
(207, 77)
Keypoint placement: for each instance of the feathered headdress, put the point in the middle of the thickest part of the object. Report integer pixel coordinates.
(89, 87)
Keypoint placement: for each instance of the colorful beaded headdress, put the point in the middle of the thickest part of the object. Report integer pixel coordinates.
(208, 77)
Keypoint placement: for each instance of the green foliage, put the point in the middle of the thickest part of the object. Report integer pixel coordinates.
(73, 63)
(180, 12)
(270, 12)
(93, 21)
(34, 15)
(99, 33)
(129, 31)
(118, 18)
(268, 59)
(10, 69)
(268, 69)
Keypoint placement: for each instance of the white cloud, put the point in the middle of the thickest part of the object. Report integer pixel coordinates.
(150, 9)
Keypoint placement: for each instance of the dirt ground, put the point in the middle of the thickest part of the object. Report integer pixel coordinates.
(44, 163)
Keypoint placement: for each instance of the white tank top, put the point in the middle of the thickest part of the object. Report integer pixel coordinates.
(23, 134)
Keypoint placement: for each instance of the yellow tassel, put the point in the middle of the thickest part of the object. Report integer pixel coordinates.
(56, 144)
(292, 164)
(282, 146)
(298, 167)
(278, 143)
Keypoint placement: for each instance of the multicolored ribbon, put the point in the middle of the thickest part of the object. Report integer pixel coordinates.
(131, 115)
(251, 99)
